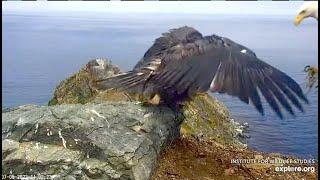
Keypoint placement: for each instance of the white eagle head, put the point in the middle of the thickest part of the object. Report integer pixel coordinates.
(308, 9)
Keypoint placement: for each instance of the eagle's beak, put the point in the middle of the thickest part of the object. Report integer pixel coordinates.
(298, 19)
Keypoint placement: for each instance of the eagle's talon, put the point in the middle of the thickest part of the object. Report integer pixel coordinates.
(155, 100)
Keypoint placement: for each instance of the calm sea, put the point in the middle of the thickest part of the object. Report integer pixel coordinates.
(41, 50)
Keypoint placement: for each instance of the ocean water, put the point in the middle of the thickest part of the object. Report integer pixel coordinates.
(40, 50)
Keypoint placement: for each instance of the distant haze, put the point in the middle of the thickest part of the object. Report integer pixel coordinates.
(213, 7)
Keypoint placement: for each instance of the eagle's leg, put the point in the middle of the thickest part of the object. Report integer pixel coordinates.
(155, 99)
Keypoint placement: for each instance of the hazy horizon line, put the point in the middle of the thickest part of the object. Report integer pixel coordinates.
(187, 7)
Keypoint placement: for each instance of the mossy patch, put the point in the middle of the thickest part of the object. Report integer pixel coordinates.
(52, 102)
(206, 117)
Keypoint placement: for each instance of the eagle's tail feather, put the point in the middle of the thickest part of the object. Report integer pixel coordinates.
(124, 81)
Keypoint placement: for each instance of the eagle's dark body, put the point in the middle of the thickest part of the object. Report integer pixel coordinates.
(183, 62)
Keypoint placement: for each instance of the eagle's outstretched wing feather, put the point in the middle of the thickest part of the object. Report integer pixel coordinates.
(230, 70)
(185, 62)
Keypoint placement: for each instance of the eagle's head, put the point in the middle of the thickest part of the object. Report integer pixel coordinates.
(308, 9)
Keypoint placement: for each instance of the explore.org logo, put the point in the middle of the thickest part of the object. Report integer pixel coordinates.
(279, 164)
(294, 169)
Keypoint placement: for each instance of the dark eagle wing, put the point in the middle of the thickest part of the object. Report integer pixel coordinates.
(223, 66)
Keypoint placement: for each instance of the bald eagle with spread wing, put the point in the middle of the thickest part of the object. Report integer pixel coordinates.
(183, 62)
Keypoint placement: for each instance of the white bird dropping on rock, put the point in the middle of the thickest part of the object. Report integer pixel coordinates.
(64, 142)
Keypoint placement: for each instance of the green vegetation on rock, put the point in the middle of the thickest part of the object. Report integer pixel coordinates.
(79, 88)
(206, 117)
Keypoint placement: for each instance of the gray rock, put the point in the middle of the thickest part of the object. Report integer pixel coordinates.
(111, 140)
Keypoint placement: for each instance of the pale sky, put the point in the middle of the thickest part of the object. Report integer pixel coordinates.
(201, 7)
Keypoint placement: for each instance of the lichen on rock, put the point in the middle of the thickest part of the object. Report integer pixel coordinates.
(207, 118)
(79, 88)
(91, 140)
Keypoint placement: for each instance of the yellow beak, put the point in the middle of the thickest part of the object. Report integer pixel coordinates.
(298, 19)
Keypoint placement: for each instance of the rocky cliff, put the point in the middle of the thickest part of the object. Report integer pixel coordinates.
(112, 140)
(107, 135)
